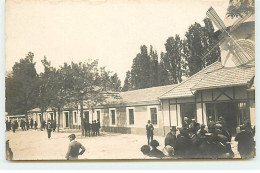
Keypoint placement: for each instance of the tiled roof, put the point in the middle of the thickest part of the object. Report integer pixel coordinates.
(140, 96)
(213, 76)
(226, 77)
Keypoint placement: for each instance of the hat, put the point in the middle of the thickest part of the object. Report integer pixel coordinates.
(148, 121)
(73, 136)
(173, 128)
(218, 126)
(192, 119)
(185, 118)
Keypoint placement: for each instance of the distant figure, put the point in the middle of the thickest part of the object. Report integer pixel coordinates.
(35, 125)
(170, 138)
(98, 127)
(13, 127)
(94, 128)
(31, 123)
(16, 124)
(155, 152)
(245, 141)
(145, 149)
(87, 128)
(185, 124)
(43, 125)
(27, 125)
(149, 131)
(6, 125)
(211, 125)
(53, 125)
(49, 129)
(74, 147)
(8, 151)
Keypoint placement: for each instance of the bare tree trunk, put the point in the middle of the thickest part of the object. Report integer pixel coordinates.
(58, 119)
(82, 119)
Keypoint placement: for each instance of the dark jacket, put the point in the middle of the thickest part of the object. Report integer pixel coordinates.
(156, 153)
(149, 129)
(170, 139)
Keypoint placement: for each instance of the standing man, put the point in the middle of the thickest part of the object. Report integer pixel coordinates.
(73, 150)
(35, 125)
(170, 138)
(211, 125)
(49, 129)
(31, 123)
(149, 131)
(13, 126)
(98, 127)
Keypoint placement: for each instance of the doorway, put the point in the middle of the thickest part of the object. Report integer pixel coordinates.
(86, 115)
(66, 115)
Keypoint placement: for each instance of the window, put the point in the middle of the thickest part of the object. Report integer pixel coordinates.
(153, 112)
(98, 115)
(113, 116)
(131, 116)
(52, 116)
(75, 117)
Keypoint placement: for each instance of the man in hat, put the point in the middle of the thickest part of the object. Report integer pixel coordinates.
(246, 144)
(74, 147)
(170, 138)
(49, 129)
(149, 131)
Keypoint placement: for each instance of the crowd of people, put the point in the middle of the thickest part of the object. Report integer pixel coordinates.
(91, 129)
(195, 141)
(26, 125)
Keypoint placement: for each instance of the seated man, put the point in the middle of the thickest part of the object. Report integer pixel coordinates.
(155, 152)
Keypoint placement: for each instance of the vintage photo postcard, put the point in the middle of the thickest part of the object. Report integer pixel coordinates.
(130, 79)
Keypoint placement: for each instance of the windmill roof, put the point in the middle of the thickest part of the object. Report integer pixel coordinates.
(213, 76)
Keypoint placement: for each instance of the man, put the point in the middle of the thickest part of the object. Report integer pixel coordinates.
(170, 138)
(149, 131)
(211, 125)
(13, 126)
(49, 129)
(183, 144)
(246, 142)
(98, 127)
(35, 125)
(73, 150)
(31, 123)
(87, 128)
(185, 124)
(155, 152)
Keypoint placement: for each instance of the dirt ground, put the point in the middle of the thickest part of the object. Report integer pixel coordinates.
(35, 145)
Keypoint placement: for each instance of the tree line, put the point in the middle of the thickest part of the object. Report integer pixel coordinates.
(75, 84)
(182, 58)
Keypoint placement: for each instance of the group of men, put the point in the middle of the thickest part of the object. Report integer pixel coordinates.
(91, 129)
(194, 141)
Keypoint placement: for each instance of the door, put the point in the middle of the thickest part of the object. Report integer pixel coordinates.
(66, 114)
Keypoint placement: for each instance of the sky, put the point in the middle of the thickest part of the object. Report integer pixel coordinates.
(110, 31)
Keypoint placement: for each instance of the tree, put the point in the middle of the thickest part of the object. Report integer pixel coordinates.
(199, 40)
(154, 78)
(240, 8)
(115, 83)
(84, 86)
(21, 86)
(140, 71)
(109, 83)
(171, 60)
(162, 73)
(45, 89)
(127, 83)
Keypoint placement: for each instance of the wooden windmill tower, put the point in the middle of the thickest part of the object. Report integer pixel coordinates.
(237, 44)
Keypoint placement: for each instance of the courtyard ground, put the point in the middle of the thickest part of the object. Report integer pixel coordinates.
(34, 145)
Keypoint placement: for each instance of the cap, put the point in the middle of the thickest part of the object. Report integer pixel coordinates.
(73, 136)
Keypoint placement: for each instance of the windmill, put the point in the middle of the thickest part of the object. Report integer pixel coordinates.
(238, 51)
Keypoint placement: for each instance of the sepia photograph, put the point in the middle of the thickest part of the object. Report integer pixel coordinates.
(130, 80)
